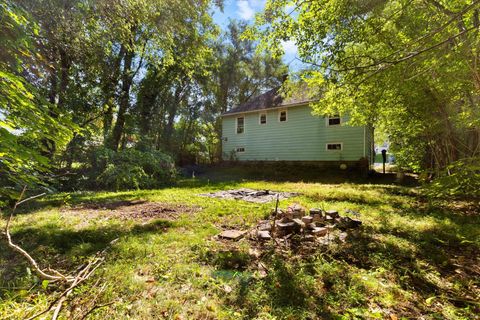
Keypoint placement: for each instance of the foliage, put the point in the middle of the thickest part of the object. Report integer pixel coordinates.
(29, 124)
(132, 169)
(460, 179)
(78, 75)
(179, 105)
(406, 67)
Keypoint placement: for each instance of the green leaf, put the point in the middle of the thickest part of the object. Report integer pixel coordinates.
(429, 301)
(45, 284)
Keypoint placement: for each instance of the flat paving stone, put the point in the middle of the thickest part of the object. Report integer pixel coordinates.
(232, 234)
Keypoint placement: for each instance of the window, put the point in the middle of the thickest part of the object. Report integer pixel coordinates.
(334, 120)
(240, 149)
(263, 118)
(334, 146)
(240, 125)
(282, 115)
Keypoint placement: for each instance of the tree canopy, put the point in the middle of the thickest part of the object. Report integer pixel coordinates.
(84, 82)
(408, 67)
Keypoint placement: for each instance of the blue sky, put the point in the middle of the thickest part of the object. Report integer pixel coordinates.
(245, 10)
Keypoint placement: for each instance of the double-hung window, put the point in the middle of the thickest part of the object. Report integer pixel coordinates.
(334, 120)
(240, 125)
(263, 118)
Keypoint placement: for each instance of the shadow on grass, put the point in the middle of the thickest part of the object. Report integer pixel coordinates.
(222, 178)
(285, 172)
(288, 289)
(418, 261)
(111, 199)
(438, 260)
(66, 248)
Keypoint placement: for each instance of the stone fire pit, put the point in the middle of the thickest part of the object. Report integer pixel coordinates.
(317, 223)
(296, 225)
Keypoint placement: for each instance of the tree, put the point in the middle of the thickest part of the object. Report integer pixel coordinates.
(153, 76)
(205, 78)
(25, 116)
(243, 73)
(408, 67)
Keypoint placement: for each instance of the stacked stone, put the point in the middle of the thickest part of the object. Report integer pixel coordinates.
(294, 220)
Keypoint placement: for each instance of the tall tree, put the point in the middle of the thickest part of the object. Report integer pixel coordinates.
(243, 73)
(409, 67)
(205, 78)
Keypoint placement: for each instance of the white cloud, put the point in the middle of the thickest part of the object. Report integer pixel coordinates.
(289, 47)
(258, 5)
(245, 10)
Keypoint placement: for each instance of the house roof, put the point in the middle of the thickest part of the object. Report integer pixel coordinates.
(270, 100)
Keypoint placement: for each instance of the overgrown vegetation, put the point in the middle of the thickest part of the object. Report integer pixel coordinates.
(76, 82)
(115, 95)
(407, 68)
(411, 259)
(84, 77)
(461, 179)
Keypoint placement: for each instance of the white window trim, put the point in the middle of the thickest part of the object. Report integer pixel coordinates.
(286, 115)
(236, 149)
(333, 125)
(329, 150)
(260, 118)
(236, 125)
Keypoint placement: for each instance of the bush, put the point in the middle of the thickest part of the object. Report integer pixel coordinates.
(132, 169)
(459, 180)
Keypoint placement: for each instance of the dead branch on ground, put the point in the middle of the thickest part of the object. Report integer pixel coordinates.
(54, 274)
(51, 274)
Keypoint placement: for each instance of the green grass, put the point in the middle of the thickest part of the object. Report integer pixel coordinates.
(411, 259)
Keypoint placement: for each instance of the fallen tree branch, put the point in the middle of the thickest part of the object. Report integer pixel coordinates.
(57, 275)
(83, 274)
(98, 306)
(63, 296)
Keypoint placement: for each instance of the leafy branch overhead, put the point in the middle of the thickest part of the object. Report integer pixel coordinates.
(407, 67)
(81, 79)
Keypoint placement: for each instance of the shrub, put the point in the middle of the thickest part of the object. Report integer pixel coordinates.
(132, 169)
(459, 180)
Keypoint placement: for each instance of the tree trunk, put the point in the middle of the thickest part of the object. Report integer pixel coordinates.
(110, 83)
(124, 102)
(172, 112)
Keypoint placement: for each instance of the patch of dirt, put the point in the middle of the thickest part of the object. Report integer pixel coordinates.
(136, 210)
(465, 208)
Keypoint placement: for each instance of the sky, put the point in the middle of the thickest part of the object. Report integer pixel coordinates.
(245, 10)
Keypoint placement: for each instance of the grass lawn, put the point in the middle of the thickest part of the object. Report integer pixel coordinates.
(410, 259)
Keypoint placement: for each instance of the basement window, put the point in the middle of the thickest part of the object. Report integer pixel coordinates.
(263, 118)
(334, 146)
(240, 149)
(282, 115)
(334, 120)
(240, 125)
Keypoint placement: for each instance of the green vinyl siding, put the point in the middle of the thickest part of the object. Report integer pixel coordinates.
(303, 137)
